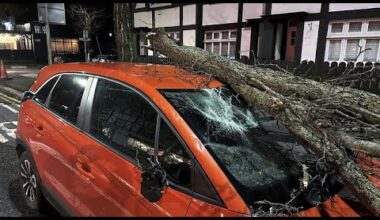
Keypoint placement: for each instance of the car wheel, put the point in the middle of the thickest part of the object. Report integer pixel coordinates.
(30, 184)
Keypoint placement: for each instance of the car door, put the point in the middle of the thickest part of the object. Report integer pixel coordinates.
(53, 147)
(121, 130)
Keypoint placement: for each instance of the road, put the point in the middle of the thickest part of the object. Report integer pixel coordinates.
(11, 200)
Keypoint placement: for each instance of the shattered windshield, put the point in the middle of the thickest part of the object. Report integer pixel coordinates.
(254, 150)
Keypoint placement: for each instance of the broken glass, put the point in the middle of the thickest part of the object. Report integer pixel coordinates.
(256, 152)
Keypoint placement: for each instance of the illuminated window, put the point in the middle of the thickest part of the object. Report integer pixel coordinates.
(59, 45)
(15, 41)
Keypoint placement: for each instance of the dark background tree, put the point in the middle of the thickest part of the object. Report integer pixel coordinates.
(86, 18)
(123, 24)
(21, 13)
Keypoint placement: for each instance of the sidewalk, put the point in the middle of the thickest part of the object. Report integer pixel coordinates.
(19, 80)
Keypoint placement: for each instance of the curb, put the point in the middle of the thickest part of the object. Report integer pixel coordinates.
(10, 92)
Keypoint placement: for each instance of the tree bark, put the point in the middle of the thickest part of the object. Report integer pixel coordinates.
(318, 113)
(123, 25)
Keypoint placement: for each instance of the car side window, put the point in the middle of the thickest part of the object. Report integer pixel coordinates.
(44, 92)
(173, 158)
(66, 96)
(123, 119)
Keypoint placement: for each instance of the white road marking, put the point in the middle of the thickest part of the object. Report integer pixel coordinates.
(11, 132)
(3, 139)
(9, 108)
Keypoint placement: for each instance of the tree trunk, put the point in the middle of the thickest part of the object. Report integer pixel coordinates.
(318, 113)
(123, 25)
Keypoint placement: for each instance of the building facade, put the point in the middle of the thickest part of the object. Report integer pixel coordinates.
(27, 42)
(318, 32)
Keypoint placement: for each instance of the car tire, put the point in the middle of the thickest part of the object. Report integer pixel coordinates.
(30, 183)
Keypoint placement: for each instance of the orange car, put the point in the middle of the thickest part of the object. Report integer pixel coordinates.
(115, 139)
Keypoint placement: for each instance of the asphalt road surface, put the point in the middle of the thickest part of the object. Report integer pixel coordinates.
(11, 201)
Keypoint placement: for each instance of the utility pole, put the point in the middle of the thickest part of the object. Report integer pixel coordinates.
(85, 39)
(48, 35)
(97, 41)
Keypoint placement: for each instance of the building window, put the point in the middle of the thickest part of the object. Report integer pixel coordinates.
(221, 42)
(12, 41)
(355, 27)
(334, 49)
(59, 46)
(374, 26)
(352, 49)
(337, 28)
(373, 46)
(353, 40)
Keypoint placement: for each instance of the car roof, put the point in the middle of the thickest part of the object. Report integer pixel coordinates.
(153, 75)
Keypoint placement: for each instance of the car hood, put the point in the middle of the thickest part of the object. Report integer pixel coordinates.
(337, 208)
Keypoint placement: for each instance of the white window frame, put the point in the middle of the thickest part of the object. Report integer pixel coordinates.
(219, 41)
(363, 35)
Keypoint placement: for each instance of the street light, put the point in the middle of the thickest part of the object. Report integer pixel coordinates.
(110, 34)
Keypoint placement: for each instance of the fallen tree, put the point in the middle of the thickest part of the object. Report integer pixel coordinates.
(327, 118)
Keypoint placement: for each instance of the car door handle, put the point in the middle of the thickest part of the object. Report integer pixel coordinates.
(39, 128)
(83, 168)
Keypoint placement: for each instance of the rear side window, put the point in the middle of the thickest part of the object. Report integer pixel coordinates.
(123, 119)
(44, 92)
(67, 96)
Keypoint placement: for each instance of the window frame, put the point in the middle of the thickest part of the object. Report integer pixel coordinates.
(220, 40)
(345, 35)
(84, 124)
(43, 85)
(82, 103)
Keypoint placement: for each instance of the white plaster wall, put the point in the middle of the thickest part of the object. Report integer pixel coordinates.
(189, 14)
(220, 13)
(283, 8)
(189, 38)
(140, 5)
(310, 39)
(167, 17)
(143, 19)
(352, 6)
(252, 10)
(245, 41)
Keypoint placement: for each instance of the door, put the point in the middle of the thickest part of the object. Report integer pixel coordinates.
(120, 135)
(54, 123)
(290, 43)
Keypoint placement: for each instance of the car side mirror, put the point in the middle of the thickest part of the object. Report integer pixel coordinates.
(153, 183)
(26, 95)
